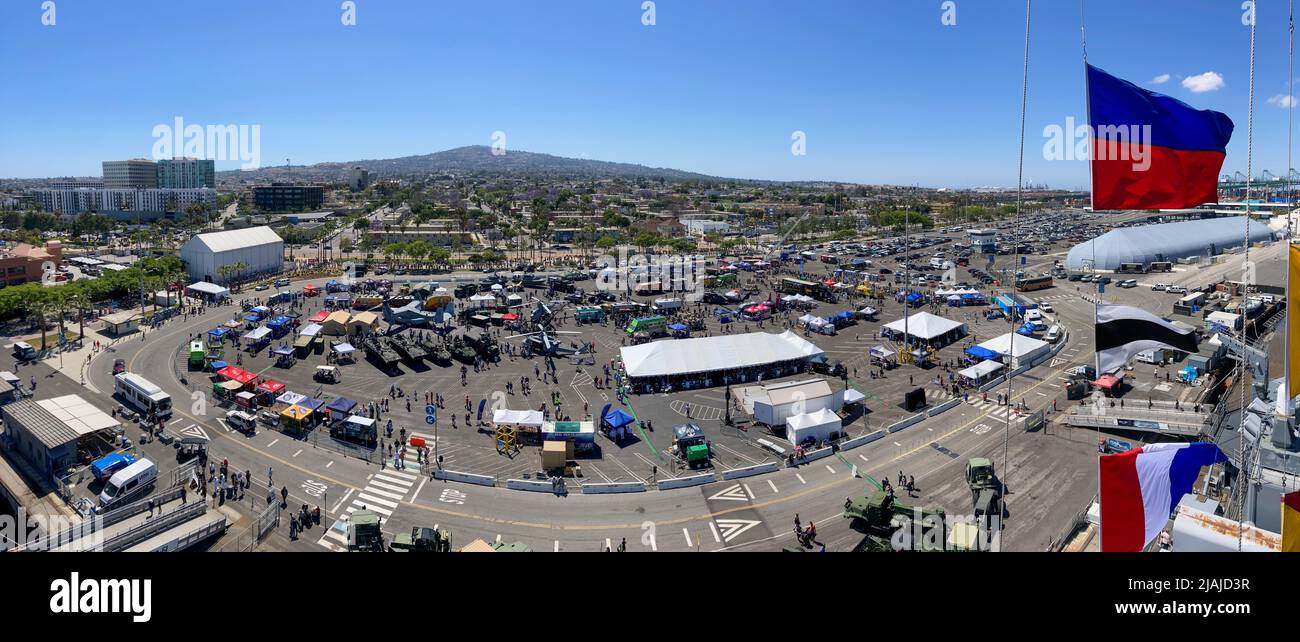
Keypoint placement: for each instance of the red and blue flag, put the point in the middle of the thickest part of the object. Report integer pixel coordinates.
(1150, 151)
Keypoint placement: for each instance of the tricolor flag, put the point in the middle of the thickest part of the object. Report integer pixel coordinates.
(1291, 522)
(1150, 151)
(1141, 488)
(1123, 331)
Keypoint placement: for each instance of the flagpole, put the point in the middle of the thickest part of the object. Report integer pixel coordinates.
(1015, 265)
(1243, 510)
(1092, 202)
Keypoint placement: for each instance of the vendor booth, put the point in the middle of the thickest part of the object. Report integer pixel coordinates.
(981, 373)
(356, 429)
(813, 428)
(527, 424)
(297, 418)
(582, 434)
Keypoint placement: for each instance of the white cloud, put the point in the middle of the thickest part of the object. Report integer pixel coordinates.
(1284, 102)
(1201, 83)
(1161, 79)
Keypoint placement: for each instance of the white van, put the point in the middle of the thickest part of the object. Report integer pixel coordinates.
(1053, 334)
(129, 482)
(241, 421)
(1033, 316)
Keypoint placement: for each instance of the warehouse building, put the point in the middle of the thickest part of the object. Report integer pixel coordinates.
(1164, 242)
(259, 249)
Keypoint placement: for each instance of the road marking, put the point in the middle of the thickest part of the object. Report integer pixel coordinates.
(557, 546)
(800, 477)
(748, 491)
(498, 538)
(828, 467)
(273, 443)
(731, 493)
(607, 547)
(194, 430)
(418, 489)
(653, 545)
(687, 535)
(340, 502)
(864, 458)
(732, 528)
(898, 444)
(297, 453)
(329, 464)
(773, 485)
(714, 528)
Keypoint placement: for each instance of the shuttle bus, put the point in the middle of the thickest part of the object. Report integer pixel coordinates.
(1160, 266)
(1131, 268)
(141, 393)
(1036, 283)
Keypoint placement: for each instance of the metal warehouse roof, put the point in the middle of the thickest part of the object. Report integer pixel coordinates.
(1164, 242)
(42, 424)
(239, 239)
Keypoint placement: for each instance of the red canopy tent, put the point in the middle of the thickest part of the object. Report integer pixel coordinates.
(1107, 383)
(319, 317)
(310, 290)
(271, 386)
(510, 316)
(236, 374)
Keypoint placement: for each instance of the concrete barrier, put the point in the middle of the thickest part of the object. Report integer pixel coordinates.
(604, 489)
(945, 406)
(895, 427)
(862, 440)
(685, 482)
(812, 455)
(749, 471)
(468, 478)
(529, 485)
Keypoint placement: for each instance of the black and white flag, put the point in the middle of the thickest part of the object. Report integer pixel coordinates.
(1123, 331)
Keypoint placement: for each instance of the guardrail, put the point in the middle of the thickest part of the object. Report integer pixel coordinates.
(531, 486)
(468, 478)
(862, 440)
(750, 471)
(899, 425)
(686, 482)
(810, 456)
(153, 527)
(623, 487)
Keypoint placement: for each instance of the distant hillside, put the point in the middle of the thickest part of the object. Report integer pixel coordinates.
(472, 160)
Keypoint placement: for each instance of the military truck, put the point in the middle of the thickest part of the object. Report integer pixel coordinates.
(880, 515)
(422, 539)
(484, 344)
(985, 487)
(690, 445)
(363, 532)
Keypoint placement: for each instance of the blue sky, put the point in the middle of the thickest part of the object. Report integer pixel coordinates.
(883, 90)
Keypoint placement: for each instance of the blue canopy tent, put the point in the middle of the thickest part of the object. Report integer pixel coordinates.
(340, 408)
(279, 325)
(313, 403)
(1027, 329)
(218, 365)
(982, 353)
(217, 334)
(252, 318)
(617, 420)
(679, 327)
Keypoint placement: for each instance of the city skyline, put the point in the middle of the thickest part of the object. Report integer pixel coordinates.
(718, 89)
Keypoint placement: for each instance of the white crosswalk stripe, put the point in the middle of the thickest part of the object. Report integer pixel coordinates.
(381, 495)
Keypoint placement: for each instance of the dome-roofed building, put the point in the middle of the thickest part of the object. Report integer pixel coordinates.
(1164, 242)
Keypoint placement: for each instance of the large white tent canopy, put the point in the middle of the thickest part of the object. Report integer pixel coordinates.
(924, 325)
(709, 354)
(1026, 348)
